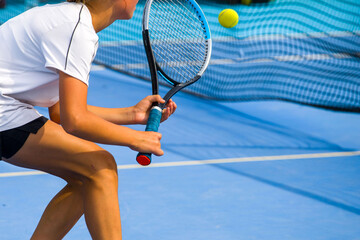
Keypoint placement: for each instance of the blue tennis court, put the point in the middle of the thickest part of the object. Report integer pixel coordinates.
(259, 170)
(239, 169)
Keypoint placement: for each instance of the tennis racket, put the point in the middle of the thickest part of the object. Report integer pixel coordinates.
(178, 44)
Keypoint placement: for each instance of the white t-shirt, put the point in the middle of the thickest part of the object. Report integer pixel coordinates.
(34, 46)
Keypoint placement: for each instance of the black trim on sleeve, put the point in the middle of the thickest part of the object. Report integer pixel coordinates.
(72, 35)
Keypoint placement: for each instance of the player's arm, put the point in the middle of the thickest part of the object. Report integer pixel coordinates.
(77, 120)
(137, 114)
(54, 113)
(121, 116)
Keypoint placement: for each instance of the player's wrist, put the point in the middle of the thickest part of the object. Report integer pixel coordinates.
(133, 115)
(124, 116)
(134, 141)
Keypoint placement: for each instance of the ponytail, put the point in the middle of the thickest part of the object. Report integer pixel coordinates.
(77, 1)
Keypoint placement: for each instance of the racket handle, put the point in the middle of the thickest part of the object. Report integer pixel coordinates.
(153, 126)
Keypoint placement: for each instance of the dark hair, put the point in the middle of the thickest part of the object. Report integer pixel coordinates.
(77, 1)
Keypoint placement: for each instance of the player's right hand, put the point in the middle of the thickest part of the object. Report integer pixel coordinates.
(147, 142)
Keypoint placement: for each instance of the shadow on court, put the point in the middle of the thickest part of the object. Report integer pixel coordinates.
(310, 198)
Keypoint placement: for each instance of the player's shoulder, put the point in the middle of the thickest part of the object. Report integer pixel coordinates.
(60, 17)
(58, 14)
(65, 8)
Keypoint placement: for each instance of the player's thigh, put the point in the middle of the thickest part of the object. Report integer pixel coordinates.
(54, 151)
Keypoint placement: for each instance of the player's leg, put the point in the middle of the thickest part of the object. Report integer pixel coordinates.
(61, 214)
(87, 168)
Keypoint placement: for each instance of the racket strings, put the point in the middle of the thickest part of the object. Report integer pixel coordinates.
(182, 20)
(198, 33)
(188, 12)
(178, 38)
(177, 35)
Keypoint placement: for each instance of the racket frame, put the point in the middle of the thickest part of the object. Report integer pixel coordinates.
(155, 70)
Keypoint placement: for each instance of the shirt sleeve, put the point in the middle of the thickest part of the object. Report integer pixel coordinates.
(71, 49)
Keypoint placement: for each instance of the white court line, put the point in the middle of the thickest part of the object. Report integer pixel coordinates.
(213, 161)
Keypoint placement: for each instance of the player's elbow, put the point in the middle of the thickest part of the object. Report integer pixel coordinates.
(55, 118)
(54, 113)
(71, 124)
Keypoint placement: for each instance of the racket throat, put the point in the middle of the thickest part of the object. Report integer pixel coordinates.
(151, 61)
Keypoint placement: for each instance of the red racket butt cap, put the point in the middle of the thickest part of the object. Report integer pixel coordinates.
(143, 160)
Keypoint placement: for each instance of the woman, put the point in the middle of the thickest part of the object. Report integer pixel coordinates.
(45, 59)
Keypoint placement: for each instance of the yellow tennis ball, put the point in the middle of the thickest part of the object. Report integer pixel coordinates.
(228, 18)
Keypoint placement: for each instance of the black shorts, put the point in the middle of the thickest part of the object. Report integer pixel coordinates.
(13, 139)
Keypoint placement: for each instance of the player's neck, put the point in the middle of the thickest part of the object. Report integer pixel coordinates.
(101, 14)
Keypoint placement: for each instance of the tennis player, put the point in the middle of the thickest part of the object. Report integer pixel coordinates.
(45, 60)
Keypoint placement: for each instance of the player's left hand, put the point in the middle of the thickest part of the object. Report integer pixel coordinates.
(142, 109)
(168, 110)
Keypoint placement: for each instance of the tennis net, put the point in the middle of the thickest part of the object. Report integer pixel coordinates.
(300, 51)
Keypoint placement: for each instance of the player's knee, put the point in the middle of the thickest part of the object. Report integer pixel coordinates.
(103, 179)
(101, 169)
(74, 182)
